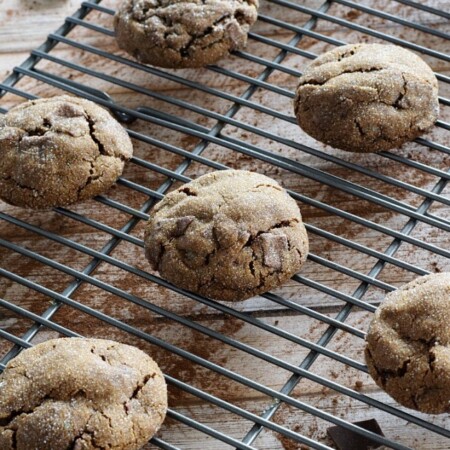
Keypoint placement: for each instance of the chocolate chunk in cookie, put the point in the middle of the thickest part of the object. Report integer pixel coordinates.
(228, 235)
(367, 97)
(60, 150)
(408, 344)
(183, 33)
(82, 394)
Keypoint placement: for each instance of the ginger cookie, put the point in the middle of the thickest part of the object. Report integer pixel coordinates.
(367, 97)
(82, 394)
(183, 33)
(228, 235)
(408, 344)
(60, 150)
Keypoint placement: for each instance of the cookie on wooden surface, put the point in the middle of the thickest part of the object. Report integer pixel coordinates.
(367, 97)
(82, 394)
(408, 344)
(183, 33)
(228, 235)
(60, 150)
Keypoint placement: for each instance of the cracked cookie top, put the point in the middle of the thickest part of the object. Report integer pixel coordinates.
(82, 394)
(228, 235)
(408, 344)
(56, 151)
(367, 97)
(183, 33)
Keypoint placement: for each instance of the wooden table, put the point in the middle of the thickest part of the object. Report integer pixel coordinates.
(24, 25)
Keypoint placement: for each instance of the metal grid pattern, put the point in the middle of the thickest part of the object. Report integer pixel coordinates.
(416, 211)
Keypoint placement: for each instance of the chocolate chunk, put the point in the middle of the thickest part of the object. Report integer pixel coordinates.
(349, 440)
(274, 246)
(225, 231)
(182, 224)
(69, 110)
(35, 144)
(175, 226)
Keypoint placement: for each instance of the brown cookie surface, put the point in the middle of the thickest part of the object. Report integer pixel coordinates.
(60, 150)
(408, 344)
(367, 97)
(228, 235)
(183, 33)
(82, 394)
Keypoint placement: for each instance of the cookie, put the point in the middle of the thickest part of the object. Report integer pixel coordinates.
(82, 394)
(408, 344)
(367, 97)
(183, 33)
(228, 235)
(60, 150)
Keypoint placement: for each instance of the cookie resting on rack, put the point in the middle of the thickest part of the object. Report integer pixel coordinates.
(60, 150)
(367, 97)
(228, 235)
(408, 344)
(82, 394)
(183, 33)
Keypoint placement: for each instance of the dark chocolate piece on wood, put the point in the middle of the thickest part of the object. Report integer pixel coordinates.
(348, 440)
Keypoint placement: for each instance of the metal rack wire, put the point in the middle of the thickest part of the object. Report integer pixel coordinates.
(417, 212)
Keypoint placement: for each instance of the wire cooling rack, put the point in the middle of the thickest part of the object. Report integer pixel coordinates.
(275, 371)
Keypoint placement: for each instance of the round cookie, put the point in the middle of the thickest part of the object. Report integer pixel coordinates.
(183, 33)
(408, 344)
(82, 394)
(367, 97)
(60, 150)
(228, 235)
